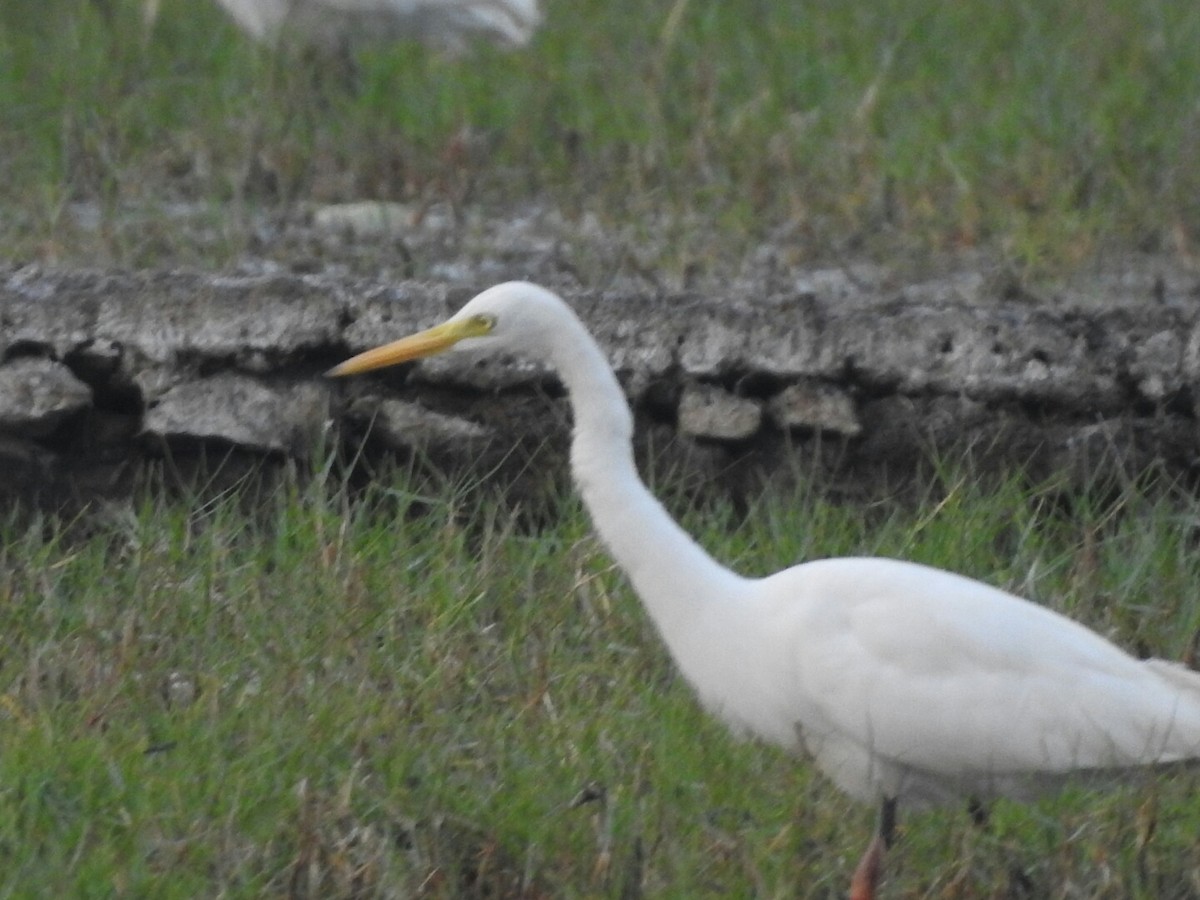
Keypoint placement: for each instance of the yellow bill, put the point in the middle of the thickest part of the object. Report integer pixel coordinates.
(415, 346)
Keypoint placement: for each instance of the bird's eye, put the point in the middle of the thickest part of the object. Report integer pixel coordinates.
(483, 324)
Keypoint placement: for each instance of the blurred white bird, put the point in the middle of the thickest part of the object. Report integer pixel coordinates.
(905, 684)
(335, 24)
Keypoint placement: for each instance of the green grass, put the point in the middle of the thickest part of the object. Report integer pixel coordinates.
(405, 695)
(409, 695)
(1044, 133)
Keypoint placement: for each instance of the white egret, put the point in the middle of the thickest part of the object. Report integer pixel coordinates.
(331, 24)
(906, 684)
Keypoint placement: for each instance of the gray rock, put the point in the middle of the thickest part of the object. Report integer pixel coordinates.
(243, 411)
(815, 406)
(176, 320)
(37, 395)
(709, 412)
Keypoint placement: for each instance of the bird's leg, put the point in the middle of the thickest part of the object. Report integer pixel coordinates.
(866, 875)
(979, 813)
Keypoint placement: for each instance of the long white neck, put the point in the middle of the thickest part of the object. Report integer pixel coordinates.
(673, 576)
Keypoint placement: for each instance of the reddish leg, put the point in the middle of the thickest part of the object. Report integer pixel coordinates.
(870, 867)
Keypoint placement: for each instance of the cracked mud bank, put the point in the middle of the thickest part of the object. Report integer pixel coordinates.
(102, 372)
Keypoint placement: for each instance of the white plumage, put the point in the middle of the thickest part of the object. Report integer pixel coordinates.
(332, 24)
(906, 684)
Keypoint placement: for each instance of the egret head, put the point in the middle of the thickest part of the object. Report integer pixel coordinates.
(515, 317)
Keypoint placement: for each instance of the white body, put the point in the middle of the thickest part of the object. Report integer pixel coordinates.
(913, 683)
(447, 23)
(903, 682)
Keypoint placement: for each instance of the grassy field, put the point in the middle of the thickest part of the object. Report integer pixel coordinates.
(410, 696)
(1047, 134)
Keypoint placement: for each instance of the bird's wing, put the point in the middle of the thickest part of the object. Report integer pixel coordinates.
(936, 672)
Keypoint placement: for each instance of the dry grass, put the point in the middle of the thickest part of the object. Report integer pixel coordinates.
(1046, 136)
